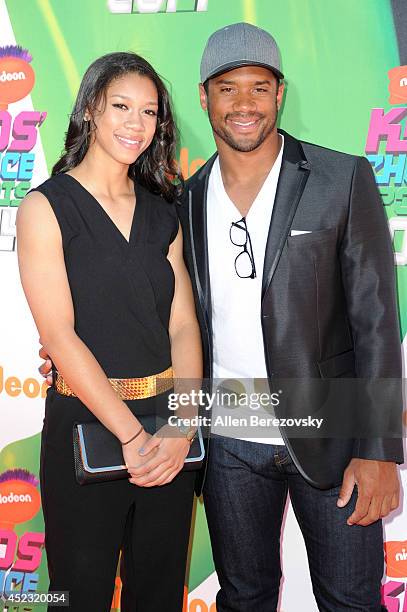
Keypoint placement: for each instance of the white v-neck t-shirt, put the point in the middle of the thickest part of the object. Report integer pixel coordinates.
(238, 350)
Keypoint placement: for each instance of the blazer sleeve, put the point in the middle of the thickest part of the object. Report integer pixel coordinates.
(368, 276)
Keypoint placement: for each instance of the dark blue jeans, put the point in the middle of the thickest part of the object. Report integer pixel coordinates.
(245, 495)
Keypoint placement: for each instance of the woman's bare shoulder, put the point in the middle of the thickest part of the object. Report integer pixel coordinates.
(35, 213)
(34, 202)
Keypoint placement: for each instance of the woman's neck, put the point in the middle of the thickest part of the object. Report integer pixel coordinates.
(104, 173)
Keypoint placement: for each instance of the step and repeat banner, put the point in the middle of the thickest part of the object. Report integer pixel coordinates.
(346, 89)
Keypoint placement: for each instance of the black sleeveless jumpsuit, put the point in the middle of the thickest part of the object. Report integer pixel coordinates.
(122, 293)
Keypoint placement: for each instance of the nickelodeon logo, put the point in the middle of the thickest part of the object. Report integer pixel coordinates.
(401, 556)
(20, 498)
(12, 76)
(397, 85)
(189, 167)
(396, 559)
(13, 498)
(14, 386)
(16, 75)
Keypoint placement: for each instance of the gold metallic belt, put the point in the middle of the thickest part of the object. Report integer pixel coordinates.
(129, 388)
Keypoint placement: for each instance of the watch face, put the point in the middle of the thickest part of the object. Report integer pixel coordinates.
(191, 435)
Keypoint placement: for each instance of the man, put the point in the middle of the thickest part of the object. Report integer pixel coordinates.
(290, 256)
(288, 245)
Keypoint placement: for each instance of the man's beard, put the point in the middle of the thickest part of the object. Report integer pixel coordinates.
(243, 145)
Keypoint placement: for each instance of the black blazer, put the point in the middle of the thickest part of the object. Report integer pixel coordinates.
(328, 298)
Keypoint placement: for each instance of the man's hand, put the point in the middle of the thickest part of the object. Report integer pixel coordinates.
(378, 490)
(166, 456)
(46, 368)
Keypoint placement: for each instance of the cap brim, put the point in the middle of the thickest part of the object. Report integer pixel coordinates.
(240, 64)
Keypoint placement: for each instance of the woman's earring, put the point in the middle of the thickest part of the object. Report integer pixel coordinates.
(87, 128)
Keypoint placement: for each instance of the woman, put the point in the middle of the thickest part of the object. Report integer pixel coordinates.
(114, 303)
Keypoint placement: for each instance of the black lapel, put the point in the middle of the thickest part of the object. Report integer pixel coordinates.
(293, 177)
(197, 198)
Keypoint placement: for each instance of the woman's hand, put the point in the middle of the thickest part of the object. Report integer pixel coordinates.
(165, 456)
(131, 450)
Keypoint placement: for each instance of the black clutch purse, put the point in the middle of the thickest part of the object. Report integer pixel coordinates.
(98, 453)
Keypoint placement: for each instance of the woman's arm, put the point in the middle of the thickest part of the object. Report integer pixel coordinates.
(186, 347)
(186, 352)
(45, 283)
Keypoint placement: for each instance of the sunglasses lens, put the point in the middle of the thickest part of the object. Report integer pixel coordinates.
(243, 265)
(238, 235)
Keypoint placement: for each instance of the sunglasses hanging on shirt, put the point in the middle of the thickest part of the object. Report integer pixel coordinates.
(240, 237)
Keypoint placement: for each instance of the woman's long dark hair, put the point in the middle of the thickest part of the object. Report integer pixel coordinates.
(156, 168)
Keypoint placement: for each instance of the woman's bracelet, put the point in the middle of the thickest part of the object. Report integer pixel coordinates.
(134, 437)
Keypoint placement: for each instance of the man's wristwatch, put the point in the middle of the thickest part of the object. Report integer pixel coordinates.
(187, 431)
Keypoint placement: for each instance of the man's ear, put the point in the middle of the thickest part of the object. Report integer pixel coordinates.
(203, 97)
(280, 94)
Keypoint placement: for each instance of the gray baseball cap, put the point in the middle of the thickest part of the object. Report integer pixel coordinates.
(236, 45)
